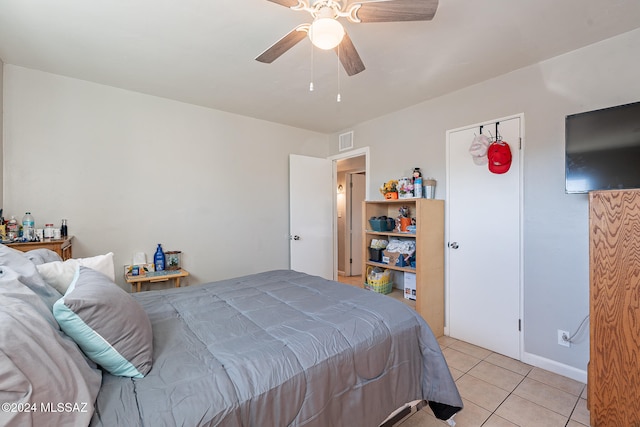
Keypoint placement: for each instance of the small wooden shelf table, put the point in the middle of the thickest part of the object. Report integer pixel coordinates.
(137, 281)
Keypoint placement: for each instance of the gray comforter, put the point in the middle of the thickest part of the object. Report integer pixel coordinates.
(279, 348)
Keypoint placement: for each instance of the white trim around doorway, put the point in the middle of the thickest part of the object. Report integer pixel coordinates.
(334, 159)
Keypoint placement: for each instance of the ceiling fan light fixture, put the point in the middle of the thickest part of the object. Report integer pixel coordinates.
(326, 33)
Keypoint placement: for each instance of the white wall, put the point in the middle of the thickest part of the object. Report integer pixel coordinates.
(556, 275)
(1, 123)
(129, 171)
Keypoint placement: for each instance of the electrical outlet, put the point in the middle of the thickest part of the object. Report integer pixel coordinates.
(563, 338)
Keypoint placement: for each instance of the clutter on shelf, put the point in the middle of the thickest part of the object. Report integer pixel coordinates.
(400, 253)
(14, 231)
(415, 187)
(402, 224)
(168, 261)
(138, 269)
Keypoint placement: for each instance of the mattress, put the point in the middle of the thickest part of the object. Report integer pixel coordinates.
(279, 348)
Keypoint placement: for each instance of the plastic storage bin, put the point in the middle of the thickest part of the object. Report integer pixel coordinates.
(375, 255)
(379, 282)
(381, 224)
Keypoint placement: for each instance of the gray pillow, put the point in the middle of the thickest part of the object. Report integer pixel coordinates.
(28, 274)
(110, 326)
(42, 256)
(39, 365)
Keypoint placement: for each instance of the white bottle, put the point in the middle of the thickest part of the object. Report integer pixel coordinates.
(28, 227)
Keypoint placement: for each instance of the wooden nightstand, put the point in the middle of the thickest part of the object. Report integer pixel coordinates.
(60, 246)
(155, 277)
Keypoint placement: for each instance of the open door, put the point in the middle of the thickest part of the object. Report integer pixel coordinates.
(311, 215)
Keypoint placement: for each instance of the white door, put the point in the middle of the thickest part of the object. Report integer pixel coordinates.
(311, 215)
(483, 223)
(356, 189)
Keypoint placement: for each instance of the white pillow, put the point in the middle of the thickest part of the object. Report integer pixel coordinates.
(59, 274)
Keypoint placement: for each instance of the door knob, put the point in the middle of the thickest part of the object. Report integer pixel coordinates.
(453, 245)
(296, 237)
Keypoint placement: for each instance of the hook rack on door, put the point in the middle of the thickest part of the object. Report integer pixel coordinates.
(497, 137)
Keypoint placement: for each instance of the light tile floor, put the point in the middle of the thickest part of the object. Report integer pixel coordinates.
(498, 391)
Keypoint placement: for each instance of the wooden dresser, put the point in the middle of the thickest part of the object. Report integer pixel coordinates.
(60, 246)
(614, 308)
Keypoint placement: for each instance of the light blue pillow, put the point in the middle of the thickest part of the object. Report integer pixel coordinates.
(110, 327)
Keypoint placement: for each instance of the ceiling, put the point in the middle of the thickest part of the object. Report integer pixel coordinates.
(202, 52)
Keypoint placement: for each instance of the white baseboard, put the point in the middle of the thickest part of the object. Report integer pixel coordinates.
(555, 367)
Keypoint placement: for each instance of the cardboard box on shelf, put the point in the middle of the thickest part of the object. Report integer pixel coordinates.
(394, 258)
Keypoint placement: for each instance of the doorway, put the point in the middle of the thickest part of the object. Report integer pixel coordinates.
(349, 220)
(350, 174)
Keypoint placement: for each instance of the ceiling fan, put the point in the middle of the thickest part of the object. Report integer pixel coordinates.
(327, 33)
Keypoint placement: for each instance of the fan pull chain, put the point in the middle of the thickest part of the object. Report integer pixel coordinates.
(338, 98)
(311, 83)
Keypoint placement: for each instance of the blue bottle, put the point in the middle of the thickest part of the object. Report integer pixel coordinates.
(158, 258)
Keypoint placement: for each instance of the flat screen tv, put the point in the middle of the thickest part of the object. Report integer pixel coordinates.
(602, 149)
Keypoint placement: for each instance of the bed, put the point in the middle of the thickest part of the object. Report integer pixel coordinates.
(278, 348)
